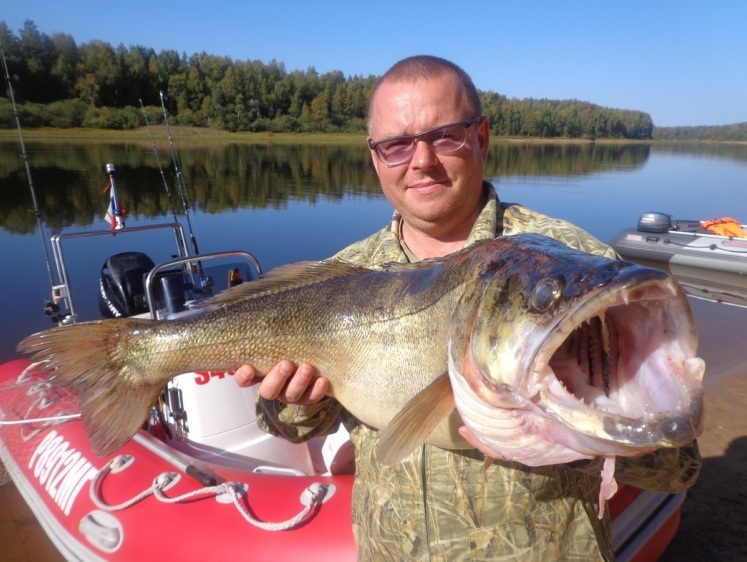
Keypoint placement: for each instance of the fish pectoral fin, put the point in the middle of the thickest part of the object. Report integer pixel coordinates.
(416, 421)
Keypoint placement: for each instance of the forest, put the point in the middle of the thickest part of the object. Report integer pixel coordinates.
(58, 83)
(735, 132)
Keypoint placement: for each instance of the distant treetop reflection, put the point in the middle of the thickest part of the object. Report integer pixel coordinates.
(69, 177)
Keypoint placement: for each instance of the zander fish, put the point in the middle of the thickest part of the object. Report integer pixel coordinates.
(550, 354)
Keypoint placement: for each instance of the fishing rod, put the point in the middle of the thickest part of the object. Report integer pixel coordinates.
(178, 171)
(49, 308)
(182, 249)
(158, 160)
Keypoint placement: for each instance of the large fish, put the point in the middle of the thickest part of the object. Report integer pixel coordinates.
(550, 354)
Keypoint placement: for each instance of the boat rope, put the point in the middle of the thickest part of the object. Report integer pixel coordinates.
(315, 495)
(52, 420)
(704, 247)
(46, 395)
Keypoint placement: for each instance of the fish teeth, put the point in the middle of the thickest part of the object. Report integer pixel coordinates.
(695, 368)
(583, 350)
(596, 352)
(606, 352)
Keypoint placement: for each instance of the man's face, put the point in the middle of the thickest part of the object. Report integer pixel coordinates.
(433, 192)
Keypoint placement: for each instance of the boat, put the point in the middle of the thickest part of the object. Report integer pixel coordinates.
(200, 480)
(709, 265)
(200, 471)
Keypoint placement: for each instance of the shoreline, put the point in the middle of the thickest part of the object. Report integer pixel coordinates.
(186, 133)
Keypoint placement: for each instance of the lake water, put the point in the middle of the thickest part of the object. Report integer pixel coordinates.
(287, 203)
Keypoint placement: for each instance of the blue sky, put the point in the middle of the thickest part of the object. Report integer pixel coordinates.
(684, 62)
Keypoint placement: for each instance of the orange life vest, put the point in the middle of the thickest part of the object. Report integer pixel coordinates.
(725, 226)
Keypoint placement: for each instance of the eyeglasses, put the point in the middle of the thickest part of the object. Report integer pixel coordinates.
(443, 139)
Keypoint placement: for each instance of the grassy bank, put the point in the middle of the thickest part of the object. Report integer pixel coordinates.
(202, 135)
(188, 134)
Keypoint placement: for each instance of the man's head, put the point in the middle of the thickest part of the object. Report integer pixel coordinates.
(427, 67)
(434, 182)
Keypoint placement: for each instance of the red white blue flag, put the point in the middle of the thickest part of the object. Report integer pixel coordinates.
(115, 213)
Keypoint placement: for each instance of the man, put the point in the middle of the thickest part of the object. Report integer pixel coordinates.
(429, 143)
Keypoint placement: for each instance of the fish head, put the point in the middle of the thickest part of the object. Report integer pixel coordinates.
(557, 355)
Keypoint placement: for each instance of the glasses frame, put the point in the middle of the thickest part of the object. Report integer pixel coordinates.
(422, 136)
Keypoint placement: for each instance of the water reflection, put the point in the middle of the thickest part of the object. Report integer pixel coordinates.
(563, 159)
(712, 285)
(69, 177)
(731, 151)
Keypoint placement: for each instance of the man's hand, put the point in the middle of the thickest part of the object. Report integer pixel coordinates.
(285, 382)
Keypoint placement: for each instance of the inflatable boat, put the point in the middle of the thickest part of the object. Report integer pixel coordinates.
(708, 264)
(201, 481)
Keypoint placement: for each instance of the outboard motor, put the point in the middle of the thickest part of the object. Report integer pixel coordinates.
(654, 222)
(122, 285)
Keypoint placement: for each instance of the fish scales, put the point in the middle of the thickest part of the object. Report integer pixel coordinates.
(362, 331)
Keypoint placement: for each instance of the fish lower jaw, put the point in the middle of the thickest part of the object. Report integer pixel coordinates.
(610, 430)
(554, 397)
(520, 432)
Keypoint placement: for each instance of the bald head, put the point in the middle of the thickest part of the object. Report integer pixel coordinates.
(424, 68)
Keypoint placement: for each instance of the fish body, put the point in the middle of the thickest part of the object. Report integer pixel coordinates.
(550, 354)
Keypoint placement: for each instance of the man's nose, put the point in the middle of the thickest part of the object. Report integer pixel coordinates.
(424, 155)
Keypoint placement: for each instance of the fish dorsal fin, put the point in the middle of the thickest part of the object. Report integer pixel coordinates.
(416, 421)
(287, 277)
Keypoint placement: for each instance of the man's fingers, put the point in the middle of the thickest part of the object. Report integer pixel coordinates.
(245, 375)
(274, 382)
(298, 384)
(285, 382)
(318, 390)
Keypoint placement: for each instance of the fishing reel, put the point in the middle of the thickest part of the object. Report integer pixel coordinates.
(52, 311)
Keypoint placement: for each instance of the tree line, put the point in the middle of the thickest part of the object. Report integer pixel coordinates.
(58, 83)
(735, 132)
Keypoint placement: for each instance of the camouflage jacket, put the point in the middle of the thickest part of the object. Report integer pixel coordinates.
(442, 505)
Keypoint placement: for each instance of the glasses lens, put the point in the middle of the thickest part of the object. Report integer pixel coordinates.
(443, 140)
(447, 139)
(396, 151)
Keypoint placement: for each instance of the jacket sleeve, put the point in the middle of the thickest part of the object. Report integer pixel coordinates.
(298, 423)
(516, 219)
(665, 470)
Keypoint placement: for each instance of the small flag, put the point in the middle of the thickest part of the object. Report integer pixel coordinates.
(115, 214)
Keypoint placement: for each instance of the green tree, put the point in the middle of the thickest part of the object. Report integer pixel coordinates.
(99, 74)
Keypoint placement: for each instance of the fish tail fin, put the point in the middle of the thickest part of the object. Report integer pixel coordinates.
(114, 395)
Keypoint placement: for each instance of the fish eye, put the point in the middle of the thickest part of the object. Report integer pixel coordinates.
(545, 293)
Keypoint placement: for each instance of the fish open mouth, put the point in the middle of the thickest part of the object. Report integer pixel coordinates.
(622, 367)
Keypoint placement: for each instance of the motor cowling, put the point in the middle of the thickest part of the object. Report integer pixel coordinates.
(654, 222)
(122, 285)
